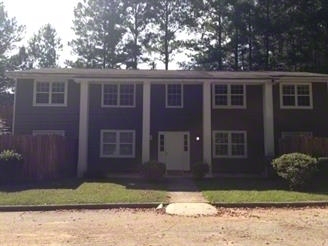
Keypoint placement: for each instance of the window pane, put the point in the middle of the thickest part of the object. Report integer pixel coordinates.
(237, 138)
(221, 138)
(221, 149)
(127, 95)
(126, 137)
(237, 89)
(238, 149)
(126, 149)
(42, 86)
(110, 95)
(42, 98)
(109, 149)
(221, 100)
(57, 98)
(288, 90)
(58, 87)
(174, 95)
(288, 100)
(221, 89)
(109, 137)
(303, 90)
(161, 142)
(237, 100)
(303, 100)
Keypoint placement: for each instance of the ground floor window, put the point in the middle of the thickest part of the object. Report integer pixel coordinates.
(229, 144)
(117, 143)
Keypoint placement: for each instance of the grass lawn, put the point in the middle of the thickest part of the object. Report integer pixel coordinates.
(78, 191)
(257, 190)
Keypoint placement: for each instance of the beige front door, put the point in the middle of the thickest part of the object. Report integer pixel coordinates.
(174, 150)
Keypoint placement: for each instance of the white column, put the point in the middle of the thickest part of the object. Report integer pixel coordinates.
(268, 119)
(82, 164)
(207, 125)
(146, 122)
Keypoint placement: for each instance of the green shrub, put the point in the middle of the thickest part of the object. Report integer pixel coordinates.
(153, 170)
(9, 155)
(296, 168)
(199, 170)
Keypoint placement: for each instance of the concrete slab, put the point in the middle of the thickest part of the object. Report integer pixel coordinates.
(191, 209)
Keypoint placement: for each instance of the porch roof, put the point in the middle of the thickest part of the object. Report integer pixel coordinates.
(167, 75)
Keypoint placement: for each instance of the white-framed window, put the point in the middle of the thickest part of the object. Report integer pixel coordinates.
(296, 95)
(296, 133)
(229, 144)
(117, 143)
(118, 95)
(50, 93)
(174, 96)
(229, 96)
(48, 132)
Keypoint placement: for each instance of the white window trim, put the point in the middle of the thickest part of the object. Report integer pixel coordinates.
(296, 133)
(181, 96)
(118, 96)
(296, 99)
(102, 155)
(244, 106)
(35, 104)
(230, 156)
(48, 132)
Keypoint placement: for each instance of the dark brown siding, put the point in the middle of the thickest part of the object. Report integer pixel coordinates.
(116, 119)
(29, 118)
(249, 120)
(188, 118)
(313, 120)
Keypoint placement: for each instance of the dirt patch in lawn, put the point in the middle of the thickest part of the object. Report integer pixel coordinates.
(306, 226)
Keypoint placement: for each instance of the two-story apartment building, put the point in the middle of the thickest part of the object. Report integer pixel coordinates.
(121, 118)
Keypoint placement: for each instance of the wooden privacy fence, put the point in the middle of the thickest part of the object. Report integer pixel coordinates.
(314, 146)
(45, 156)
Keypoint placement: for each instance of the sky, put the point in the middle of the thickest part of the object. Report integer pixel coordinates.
(37, 13)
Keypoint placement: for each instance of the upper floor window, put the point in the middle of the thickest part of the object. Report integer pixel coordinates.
(295, 95)
(174, 96)
(229, 96)
(118, 95)
(117, 143)
(53, 93)
(229, 144)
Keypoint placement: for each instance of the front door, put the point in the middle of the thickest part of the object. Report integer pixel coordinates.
(173, 150)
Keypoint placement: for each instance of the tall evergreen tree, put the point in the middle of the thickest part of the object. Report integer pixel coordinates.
(10, 33)
(43, 48)
(137, 17)
(98, 27)
(168, 18)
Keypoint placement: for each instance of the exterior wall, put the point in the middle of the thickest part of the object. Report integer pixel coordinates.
(249, 120)
(116, 119)
(29, 117)
(187, 119)
(313, 120)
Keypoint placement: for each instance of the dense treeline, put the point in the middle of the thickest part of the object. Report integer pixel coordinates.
(216, 34)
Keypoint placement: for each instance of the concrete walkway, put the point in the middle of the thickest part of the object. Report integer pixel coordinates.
(182, 189)
(185, 199)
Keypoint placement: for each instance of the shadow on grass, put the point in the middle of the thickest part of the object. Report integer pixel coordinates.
(257, 184)
(75, 183)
